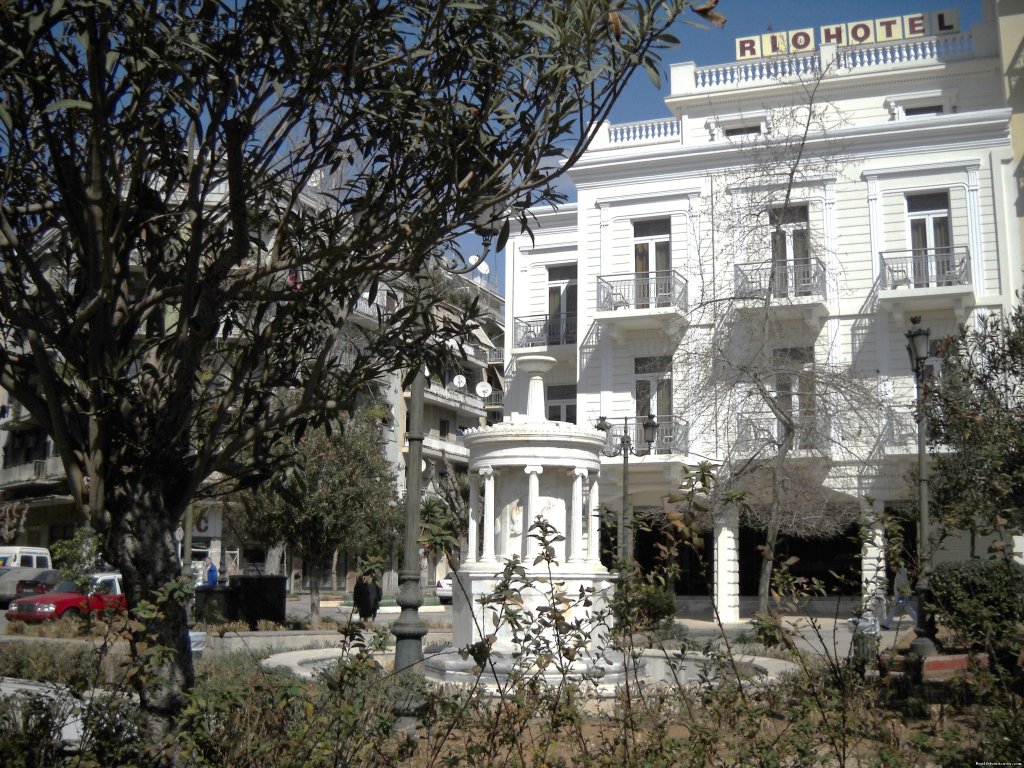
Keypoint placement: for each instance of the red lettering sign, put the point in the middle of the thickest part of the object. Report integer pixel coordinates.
(861, 32)
(914, 25)
(834, 34)
(747, 48)
(801, 40)
(887, 29)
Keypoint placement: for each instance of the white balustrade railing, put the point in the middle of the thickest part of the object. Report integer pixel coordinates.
(658, 131)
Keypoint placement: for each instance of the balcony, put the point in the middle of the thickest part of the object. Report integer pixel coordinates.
(546, 333)
(495, 400)
(792, 289)
(923, 279)
(671, 439)
(642, 301)
(38, 471)
(463, 401)
(15, 416)
(761, 433)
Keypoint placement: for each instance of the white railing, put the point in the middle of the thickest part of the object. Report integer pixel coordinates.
(762, 70)
(916, 51)
(944, 47)
(662, 130)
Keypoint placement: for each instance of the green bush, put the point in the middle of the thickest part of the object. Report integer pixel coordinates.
(641, 605)
(982, 601)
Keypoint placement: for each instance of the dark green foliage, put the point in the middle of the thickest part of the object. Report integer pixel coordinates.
(982, 600)
(642, 604)
(976, 413)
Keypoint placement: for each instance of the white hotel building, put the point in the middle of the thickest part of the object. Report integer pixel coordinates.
(709, 277)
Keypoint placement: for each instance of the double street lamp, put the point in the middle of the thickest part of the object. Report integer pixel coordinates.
(625, 448)
(918, 350)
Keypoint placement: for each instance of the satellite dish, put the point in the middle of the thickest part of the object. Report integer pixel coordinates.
(459, 381)
(483, 268)
(483, 389)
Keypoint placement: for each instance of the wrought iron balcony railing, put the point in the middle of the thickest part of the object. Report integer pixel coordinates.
(641, 290)
(782, 280)
(756, 431)
(545, 330)
(917, 268)
(672, 436)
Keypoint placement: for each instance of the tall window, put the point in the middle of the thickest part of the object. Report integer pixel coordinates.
(795, 393)
(791, 254)
(652, 259)
(652, 393)
(562, 304)
(930, 239)
(562, 402)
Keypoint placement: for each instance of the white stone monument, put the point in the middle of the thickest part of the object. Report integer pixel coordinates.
(528, 470)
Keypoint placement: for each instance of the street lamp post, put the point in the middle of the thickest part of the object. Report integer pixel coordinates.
(917, 348)
(625, 448)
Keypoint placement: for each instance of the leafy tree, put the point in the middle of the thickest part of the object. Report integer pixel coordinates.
(79, 556)
(976, 419)
(195, 196)
(338, 493)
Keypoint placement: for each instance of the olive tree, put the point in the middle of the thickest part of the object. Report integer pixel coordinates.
(196, 196)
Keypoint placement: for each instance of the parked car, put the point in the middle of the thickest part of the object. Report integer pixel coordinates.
(105, 593)
(444, 589)
(17, 564)
(42, 583)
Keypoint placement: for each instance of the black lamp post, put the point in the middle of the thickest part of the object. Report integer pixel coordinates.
(917, 348)
(625, 448)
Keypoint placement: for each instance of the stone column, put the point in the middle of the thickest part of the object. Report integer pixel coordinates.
(593, 523)
(530, 545)
(873, 578)
(727, 569)
(574, 536)
(487, 473)
(474, 510)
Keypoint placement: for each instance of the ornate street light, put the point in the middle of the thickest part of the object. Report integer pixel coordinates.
(625, 448)
(917, 348)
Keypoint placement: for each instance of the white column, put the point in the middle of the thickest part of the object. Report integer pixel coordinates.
(530, 544)
(873, 578)
(574, 536)
(487, 473)
(474, 510)
(593, 522)
(727, 571)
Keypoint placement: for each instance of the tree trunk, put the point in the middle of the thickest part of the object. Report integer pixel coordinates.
(272, 563)
(315, 574)
(142, 544)
(771, 536)
(334, 572)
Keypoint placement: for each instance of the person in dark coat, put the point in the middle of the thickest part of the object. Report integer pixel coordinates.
(362, 596)
(375, 595)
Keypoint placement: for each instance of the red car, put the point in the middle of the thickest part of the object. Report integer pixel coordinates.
(66, 599)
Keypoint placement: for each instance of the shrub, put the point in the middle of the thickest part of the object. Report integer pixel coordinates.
(640, 605)
(981, 600)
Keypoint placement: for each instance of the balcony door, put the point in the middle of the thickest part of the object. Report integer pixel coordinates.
(652, 393)
(792, 274)
(562, 305)
(652, 262)
(795, 394)
(930, 240)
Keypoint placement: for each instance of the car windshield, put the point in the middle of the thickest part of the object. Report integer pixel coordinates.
(67, 586)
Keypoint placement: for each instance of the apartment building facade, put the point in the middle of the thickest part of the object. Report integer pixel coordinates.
(32, 476)
(746, 269)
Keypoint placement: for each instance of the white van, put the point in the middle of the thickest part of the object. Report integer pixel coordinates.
(17, 563)
(25, 557)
